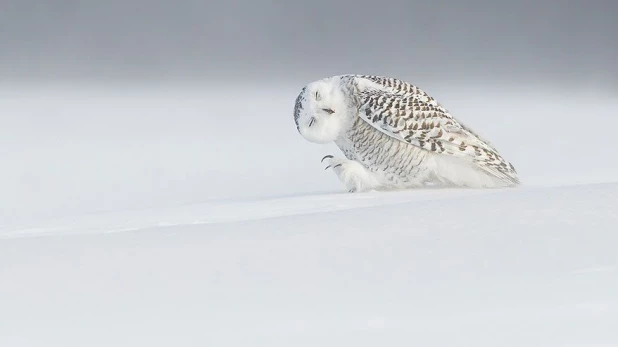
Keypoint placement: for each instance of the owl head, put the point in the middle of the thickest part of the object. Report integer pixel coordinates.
(322, 110)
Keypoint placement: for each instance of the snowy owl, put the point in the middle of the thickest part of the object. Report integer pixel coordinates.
(395, 136)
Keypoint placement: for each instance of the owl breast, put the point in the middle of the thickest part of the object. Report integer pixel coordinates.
(398, 164)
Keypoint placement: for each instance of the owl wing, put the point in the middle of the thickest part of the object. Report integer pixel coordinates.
(405, 112)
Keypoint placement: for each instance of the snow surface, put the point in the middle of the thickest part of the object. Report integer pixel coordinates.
(193, 217)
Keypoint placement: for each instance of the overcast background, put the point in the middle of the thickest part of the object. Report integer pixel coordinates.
(116, 104)
(541, 42)
(143, 202)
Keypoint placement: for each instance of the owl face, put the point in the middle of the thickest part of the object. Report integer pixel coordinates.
(320, 111)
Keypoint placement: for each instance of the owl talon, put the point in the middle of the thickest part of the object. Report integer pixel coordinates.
(326, 156)
(354, 175)
(334, 167)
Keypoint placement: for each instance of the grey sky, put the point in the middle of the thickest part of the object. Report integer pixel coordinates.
(545, 39)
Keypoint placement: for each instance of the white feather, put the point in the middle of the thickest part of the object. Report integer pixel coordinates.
(402, 136)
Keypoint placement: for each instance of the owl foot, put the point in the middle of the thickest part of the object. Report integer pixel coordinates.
(351, 173)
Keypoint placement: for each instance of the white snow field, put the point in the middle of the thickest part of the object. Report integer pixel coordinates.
(199, 217)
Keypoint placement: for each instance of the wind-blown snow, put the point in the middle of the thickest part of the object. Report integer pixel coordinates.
(192, 218)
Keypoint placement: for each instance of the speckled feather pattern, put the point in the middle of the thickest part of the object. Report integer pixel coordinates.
(399, 163)
(397, 134)
(407, 113)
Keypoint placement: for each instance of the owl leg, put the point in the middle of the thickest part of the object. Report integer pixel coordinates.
(352, 174)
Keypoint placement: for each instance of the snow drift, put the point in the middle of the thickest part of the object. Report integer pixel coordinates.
(188, 218)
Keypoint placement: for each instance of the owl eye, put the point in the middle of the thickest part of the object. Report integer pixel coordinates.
(328, 110)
